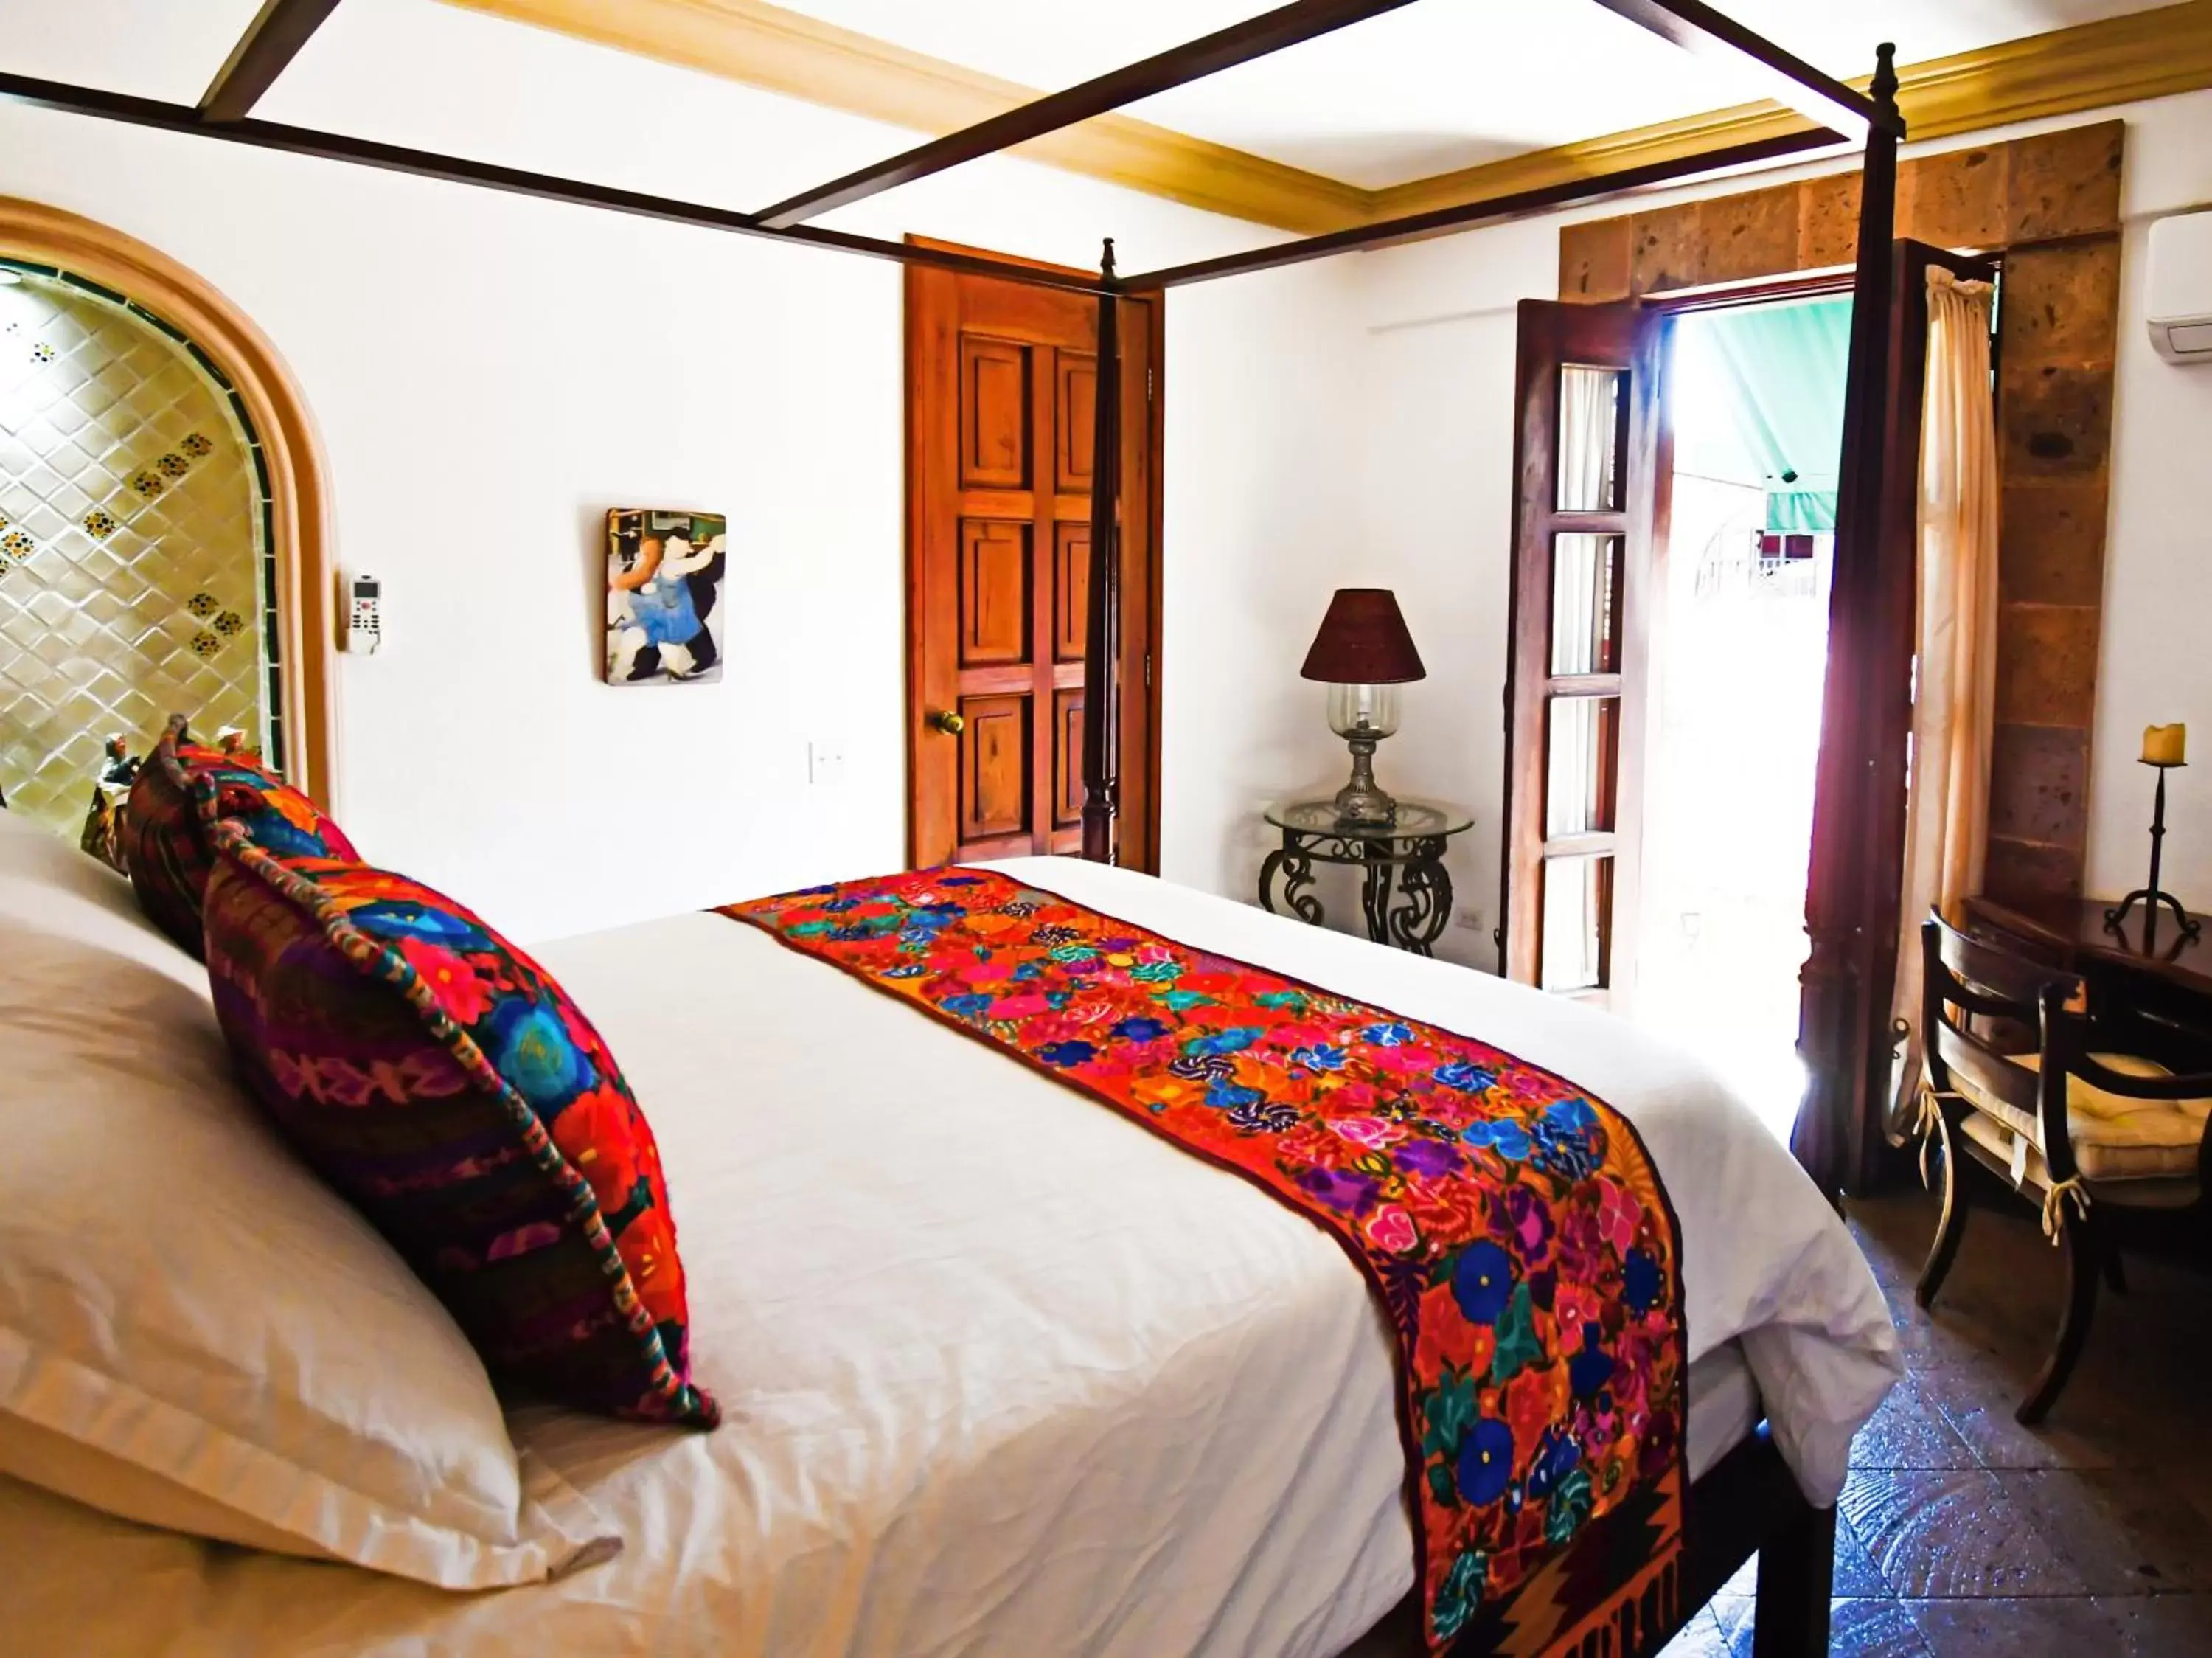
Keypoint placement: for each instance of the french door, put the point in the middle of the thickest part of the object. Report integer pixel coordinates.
(1593, 471)
(1593, 466)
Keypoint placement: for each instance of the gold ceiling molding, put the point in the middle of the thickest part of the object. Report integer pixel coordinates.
(801, 57)
(2148, 54)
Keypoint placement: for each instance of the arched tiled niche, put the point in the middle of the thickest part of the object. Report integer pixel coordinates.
(102, 277)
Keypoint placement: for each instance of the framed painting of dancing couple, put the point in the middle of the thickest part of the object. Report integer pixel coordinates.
(665, 595)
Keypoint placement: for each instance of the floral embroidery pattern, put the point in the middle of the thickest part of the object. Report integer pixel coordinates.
(1513, 1229)
(180, 795)
(448, 1087)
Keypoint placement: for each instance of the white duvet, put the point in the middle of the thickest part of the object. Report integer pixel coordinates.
(1002, 1373)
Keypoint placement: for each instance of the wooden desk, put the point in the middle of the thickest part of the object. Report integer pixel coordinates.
(2169, 983)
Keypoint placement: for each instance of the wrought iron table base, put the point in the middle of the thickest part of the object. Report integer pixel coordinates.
(1409, 874)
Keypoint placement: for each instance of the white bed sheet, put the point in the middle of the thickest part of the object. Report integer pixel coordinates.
(1003, 1373)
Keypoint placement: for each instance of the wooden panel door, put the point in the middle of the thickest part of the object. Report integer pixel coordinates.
(1001, 378)
(1592, 476)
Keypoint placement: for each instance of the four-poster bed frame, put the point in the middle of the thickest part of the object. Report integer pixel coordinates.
(1749, 1502)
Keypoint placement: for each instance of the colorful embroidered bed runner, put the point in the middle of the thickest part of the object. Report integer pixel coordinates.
(1512, 1226)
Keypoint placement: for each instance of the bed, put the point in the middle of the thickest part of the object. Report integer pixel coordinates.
(1078, 1392)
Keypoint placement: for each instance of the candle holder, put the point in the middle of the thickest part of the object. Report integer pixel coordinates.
(2152, 898)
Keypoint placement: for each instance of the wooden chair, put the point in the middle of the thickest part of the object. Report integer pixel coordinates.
(2090, 1125)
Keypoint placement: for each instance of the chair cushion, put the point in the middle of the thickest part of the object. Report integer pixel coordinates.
(2114, 1137)
(181, 789)
(439, 1079)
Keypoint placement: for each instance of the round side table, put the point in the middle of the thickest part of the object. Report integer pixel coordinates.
(1404, 887)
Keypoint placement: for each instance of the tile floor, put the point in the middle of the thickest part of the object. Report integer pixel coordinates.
(1963, 1533)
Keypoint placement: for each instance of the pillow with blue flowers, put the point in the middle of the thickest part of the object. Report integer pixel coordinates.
(183, 789)
(441, 1081)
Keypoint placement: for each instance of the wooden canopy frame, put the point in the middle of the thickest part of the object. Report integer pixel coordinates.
(1838, 113)
(1749, 1502)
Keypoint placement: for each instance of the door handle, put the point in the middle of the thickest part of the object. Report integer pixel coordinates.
(950, 723)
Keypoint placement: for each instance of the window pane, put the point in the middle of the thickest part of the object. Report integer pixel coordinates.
(1590, 433)
(1577, 915)
(1579, 772)
(1585, 586)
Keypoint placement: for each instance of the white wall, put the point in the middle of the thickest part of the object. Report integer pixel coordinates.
(1437, 466)
(490, 373)
(2153, 666)
(1263, 521)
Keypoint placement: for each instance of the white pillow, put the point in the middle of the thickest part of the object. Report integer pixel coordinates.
(46, 882)
(194, 1332)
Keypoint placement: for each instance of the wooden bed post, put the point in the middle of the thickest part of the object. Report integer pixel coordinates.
(1102, 748)
(1833, 1024)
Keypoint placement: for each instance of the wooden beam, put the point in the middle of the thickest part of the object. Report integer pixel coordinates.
(455, 169)
(783, 52)
(1102, 637)
(263, 53)
(1240, 42)
(2146, 54)
(1466, 215)
(1695, 26)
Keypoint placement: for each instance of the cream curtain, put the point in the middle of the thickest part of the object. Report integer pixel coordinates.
(1946, 820)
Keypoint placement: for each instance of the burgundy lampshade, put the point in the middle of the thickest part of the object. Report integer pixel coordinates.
(1363, 641)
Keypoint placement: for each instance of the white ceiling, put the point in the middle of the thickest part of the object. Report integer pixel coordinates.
(1442, 83)
(1438, 85)
(155, 48)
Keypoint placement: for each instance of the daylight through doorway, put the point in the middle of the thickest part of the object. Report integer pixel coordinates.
(1740, 652)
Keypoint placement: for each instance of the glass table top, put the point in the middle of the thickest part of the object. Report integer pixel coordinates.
(1417, 820)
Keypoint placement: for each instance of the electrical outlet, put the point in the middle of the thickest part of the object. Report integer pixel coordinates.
(825, 763)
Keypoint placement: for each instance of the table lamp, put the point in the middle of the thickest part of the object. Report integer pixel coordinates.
(1364, 653)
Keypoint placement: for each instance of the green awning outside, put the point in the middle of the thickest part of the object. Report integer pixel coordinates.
(1801, 511)
(1758, 396)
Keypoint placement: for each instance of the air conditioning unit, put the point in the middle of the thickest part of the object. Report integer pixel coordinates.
(2178, 294)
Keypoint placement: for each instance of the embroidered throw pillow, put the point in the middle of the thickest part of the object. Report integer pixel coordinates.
(435, 1074)
(183, 788)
